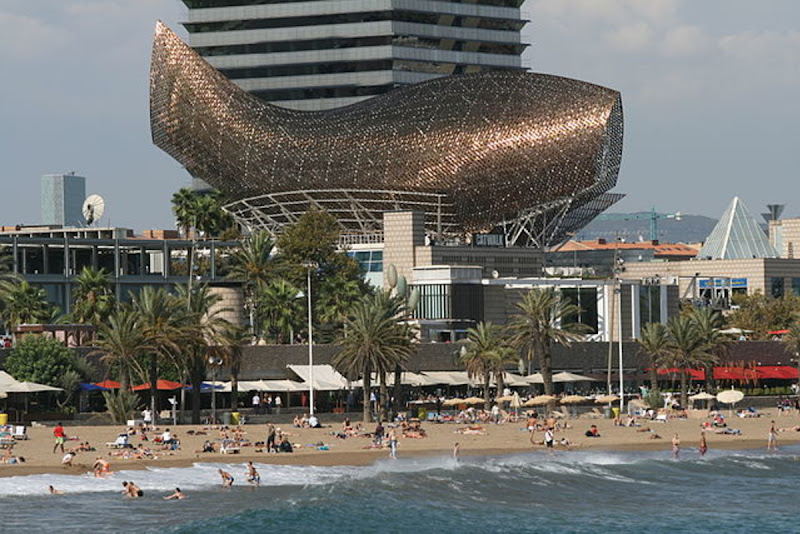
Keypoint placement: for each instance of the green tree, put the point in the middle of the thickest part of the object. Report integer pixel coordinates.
(254, 264)
(93, 300)
(376, 341)
(160, 318)
(233, 340)
(485, 356)
(709, 324)
(23, 303)
(761, 314)
(687, 350)
(42, 359)
(655, 342)
(280, 311)
(535, 328)
(184, 206)
(121, 342)
(337, 296)
(202, 330)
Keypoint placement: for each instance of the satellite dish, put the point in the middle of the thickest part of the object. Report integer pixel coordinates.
(93, 208)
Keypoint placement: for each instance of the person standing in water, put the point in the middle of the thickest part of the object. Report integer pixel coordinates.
(252, 475)
(227, 479)
(772, 437)
(392, 444)
(676, 446)
(456, 449)
(703, 444)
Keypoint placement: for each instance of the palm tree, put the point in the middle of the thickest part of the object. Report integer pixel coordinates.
(253, 263)
(336, 297)
(536, 328)
(121, 342)
(233, 339)
(279, 310)
(486, 355)
(161, 315)
(93, 299)
(184, 206)
(687, 350)
(376, 341)
(23, 303)
(203, 328)
(709, 324)
(655, 342)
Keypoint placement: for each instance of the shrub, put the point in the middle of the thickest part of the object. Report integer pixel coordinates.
(120, 404)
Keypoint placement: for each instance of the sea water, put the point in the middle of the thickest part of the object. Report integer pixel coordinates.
(584, 491)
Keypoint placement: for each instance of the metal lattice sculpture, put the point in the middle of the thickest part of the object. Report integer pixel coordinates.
(533, 154)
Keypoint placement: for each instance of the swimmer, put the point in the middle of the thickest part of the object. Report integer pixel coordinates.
(456, 449)
(252, 475)
(676, 446)
(132, 491)
(179, 495)
(772, 438)
(227, 479)
(54, 491)
(703, 444)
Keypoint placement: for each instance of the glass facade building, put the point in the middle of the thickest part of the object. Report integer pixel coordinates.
(322, 54)
(62, 199)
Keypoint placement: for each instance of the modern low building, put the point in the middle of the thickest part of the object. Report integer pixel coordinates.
(51, 258)
(314, 55)
(597, 257)
(62, 199)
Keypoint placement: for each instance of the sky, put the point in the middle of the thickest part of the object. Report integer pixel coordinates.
(710, 95)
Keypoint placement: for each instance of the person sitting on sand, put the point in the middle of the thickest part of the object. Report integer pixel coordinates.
(11, 460)
(593, 432)
(297, 423)
(252, 475)
(178, 494)
(207, 447)
(227, 479)
(54, 491)
(66, 461)
(285, 446)
(313, 422)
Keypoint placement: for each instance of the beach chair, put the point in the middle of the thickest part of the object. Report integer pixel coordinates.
(120, 443)
(20, 432)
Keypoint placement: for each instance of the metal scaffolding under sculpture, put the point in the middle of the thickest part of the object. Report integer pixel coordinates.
(531, 154)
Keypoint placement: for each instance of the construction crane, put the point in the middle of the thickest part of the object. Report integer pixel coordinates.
(652, 215)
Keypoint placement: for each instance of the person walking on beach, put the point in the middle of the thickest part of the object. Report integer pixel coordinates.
(772, 437)
(227, 479)
(549, 438)
(456, 449)
(676, 446)
(703, 444)
(147, 418)
(271, 438)
(252, 475)
(392, 444)
(256, 402)
(60, 436)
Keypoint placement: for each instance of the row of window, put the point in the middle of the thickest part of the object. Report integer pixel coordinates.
(356, 42)
(200, 4)
(416, 17)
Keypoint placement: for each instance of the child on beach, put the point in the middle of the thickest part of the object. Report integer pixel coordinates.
(227, 479)
(252, 475)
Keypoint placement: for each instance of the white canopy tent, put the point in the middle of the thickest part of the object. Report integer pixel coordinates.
(326, 378)
(450, 378)
(566, 376)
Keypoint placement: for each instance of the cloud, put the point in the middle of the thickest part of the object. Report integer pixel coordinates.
(765, 45)
(23, 38)
(630, 39)
(684, 40)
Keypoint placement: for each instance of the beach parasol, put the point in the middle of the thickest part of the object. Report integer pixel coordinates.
(161, 385)
(535, 378)
(516, 402)
(30, 387)
(606, 399)
(474, 400)
(108, 384)
(453, 402)
(573, 399)
(504, 398)
(703, 396)
(541, 400)
(730, 396)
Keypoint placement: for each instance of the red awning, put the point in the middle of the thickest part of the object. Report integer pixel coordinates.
(694, 374)
(160, 384)
(781, 372)
(778, 332)
(108, 384)
(735, 373)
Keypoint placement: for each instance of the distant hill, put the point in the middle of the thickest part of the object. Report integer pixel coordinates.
(690, 229)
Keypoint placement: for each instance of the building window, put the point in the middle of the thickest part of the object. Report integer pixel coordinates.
(777, 288)
(649, 304)
(585, 299)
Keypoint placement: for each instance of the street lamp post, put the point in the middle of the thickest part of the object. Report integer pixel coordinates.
(215, 363)
(310, 265)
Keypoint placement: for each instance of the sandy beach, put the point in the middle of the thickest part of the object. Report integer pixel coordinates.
(508, 438)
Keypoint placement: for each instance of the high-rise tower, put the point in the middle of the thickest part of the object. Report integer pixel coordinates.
(322, 54)
(62, 199)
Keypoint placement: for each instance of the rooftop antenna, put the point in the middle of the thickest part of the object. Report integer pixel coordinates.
(93, 208)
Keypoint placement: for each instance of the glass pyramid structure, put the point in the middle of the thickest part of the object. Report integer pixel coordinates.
(737, 236)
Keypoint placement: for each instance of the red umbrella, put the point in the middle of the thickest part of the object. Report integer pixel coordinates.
(108, 384)
(160, 384)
